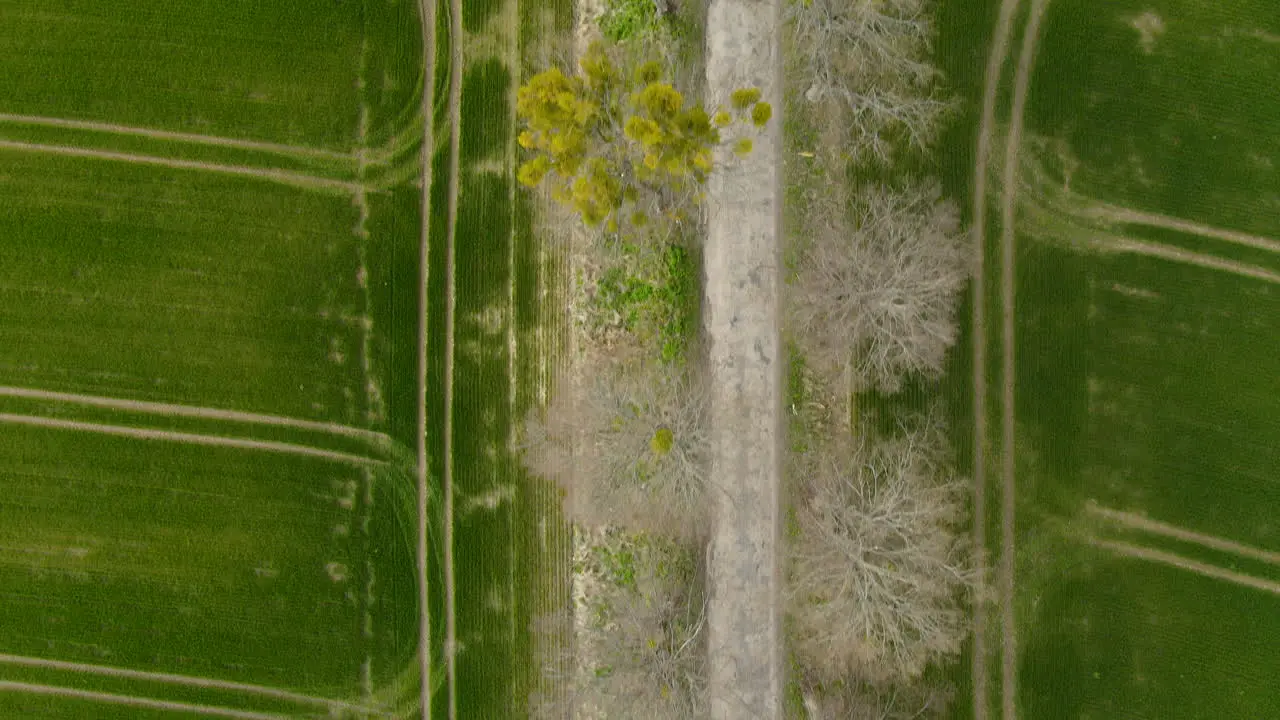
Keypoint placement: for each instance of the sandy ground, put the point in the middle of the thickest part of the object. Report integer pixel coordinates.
(742, 280)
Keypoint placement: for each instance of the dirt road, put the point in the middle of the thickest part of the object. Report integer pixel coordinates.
(742, 313)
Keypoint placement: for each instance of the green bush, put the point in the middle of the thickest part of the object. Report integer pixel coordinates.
(628, 19)
(653, 296)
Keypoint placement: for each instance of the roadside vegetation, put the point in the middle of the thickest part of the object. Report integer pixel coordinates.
(619, 144)
(880, 574)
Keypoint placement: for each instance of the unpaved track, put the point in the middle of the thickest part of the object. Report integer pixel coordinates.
(742, 286)
(1155, 527)
(1115, 214)
(188, 438)
(188, 681)
(1008, 449)
(427, 16)
(1209, 262)
(135, 701)
(284, 177)
(376, 439)
(995, 64)
(450, 301)
(195, 139)
(1195, 566)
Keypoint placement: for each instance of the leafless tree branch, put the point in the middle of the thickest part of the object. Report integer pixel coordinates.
(881, 568)
(876, 289)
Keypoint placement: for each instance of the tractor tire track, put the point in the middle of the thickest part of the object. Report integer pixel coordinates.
(450, 295)
(995, 65)
(294, 151)
(284, 177)
(1121, 215)
(135, 701)
(375, 439)
(1008, 504)
(188, 681)
(1155, 527)
(1195, 566)
(188, 438)
(427, 15)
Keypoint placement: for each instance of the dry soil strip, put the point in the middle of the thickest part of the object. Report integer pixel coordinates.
(450, 302)
(1008, 504)
(1199, 568)
(375, 439)
(195, 139)
(1155, 527)
(1114, 214)
(135, 701)
(309, 182)
(427, 16)
(742, 262)
(995, 63)
(187, 681)
(188, 438)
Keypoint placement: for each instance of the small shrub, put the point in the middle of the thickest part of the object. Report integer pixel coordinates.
(624, 20)
(629, 448)
(761, 113)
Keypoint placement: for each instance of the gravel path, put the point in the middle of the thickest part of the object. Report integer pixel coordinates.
(742, 311)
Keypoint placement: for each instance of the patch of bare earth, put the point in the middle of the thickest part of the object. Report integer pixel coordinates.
(741, 315)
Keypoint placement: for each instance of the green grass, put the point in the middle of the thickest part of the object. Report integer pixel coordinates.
(175, 286)
(629, 20)
(655, 294)
(228, 69)
(198, 561)
(1143, 384)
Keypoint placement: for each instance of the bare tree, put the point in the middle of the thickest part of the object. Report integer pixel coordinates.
(876, 288)
(628, 447)
(867, 61)
(881, 567)
(639, 649)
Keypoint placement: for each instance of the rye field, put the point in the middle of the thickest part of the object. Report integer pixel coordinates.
(209, 393)
(1121, 162)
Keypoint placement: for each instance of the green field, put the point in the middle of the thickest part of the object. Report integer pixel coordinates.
(209, 243)
(509, 542)
(1147, 389)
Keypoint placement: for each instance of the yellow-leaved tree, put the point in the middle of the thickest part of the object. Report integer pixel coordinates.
(611, 143)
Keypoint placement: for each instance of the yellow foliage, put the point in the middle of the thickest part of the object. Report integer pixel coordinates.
(761, 113)
(659, 100)
(742, 146)
(723, 119)
(648, 72)
(532, 172)
(744, 98)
